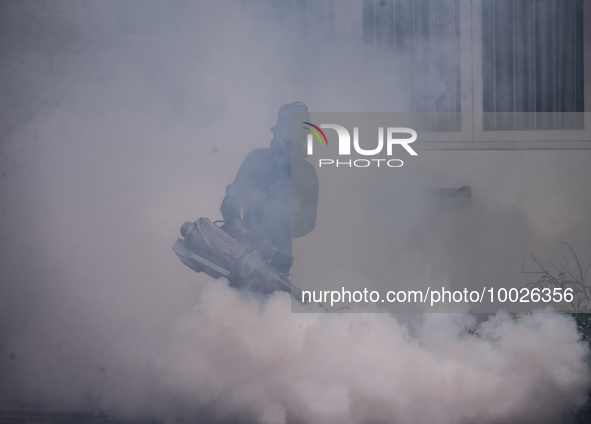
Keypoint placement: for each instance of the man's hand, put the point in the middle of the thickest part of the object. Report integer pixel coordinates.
(237, 227)
(266, 249)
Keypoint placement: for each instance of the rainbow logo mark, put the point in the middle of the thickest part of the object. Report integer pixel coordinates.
(315, 133)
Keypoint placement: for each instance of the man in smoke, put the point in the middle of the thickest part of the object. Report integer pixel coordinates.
(274, 197)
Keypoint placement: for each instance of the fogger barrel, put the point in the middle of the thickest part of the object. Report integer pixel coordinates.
(207, 248)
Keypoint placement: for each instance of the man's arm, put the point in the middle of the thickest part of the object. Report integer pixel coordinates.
(232, 203)
(238, 192)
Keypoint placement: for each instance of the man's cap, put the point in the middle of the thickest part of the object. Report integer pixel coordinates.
(292, 107)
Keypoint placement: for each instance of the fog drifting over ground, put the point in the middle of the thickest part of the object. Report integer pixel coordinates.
(121, 120)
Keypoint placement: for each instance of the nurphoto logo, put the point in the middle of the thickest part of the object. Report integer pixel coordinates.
(344, 146)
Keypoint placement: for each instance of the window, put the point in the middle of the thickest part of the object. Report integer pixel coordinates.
(518, 70)
(429, 37)
(426, 35)
(532, 61)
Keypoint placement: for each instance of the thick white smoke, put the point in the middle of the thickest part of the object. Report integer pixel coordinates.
(127, 119)
(279, 367)
(231, 357)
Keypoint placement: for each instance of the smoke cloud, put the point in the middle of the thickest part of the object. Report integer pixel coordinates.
(120, 121)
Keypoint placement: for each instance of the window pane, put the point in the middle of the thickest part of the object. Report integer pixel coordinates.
(425, 36)
(532, 62)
